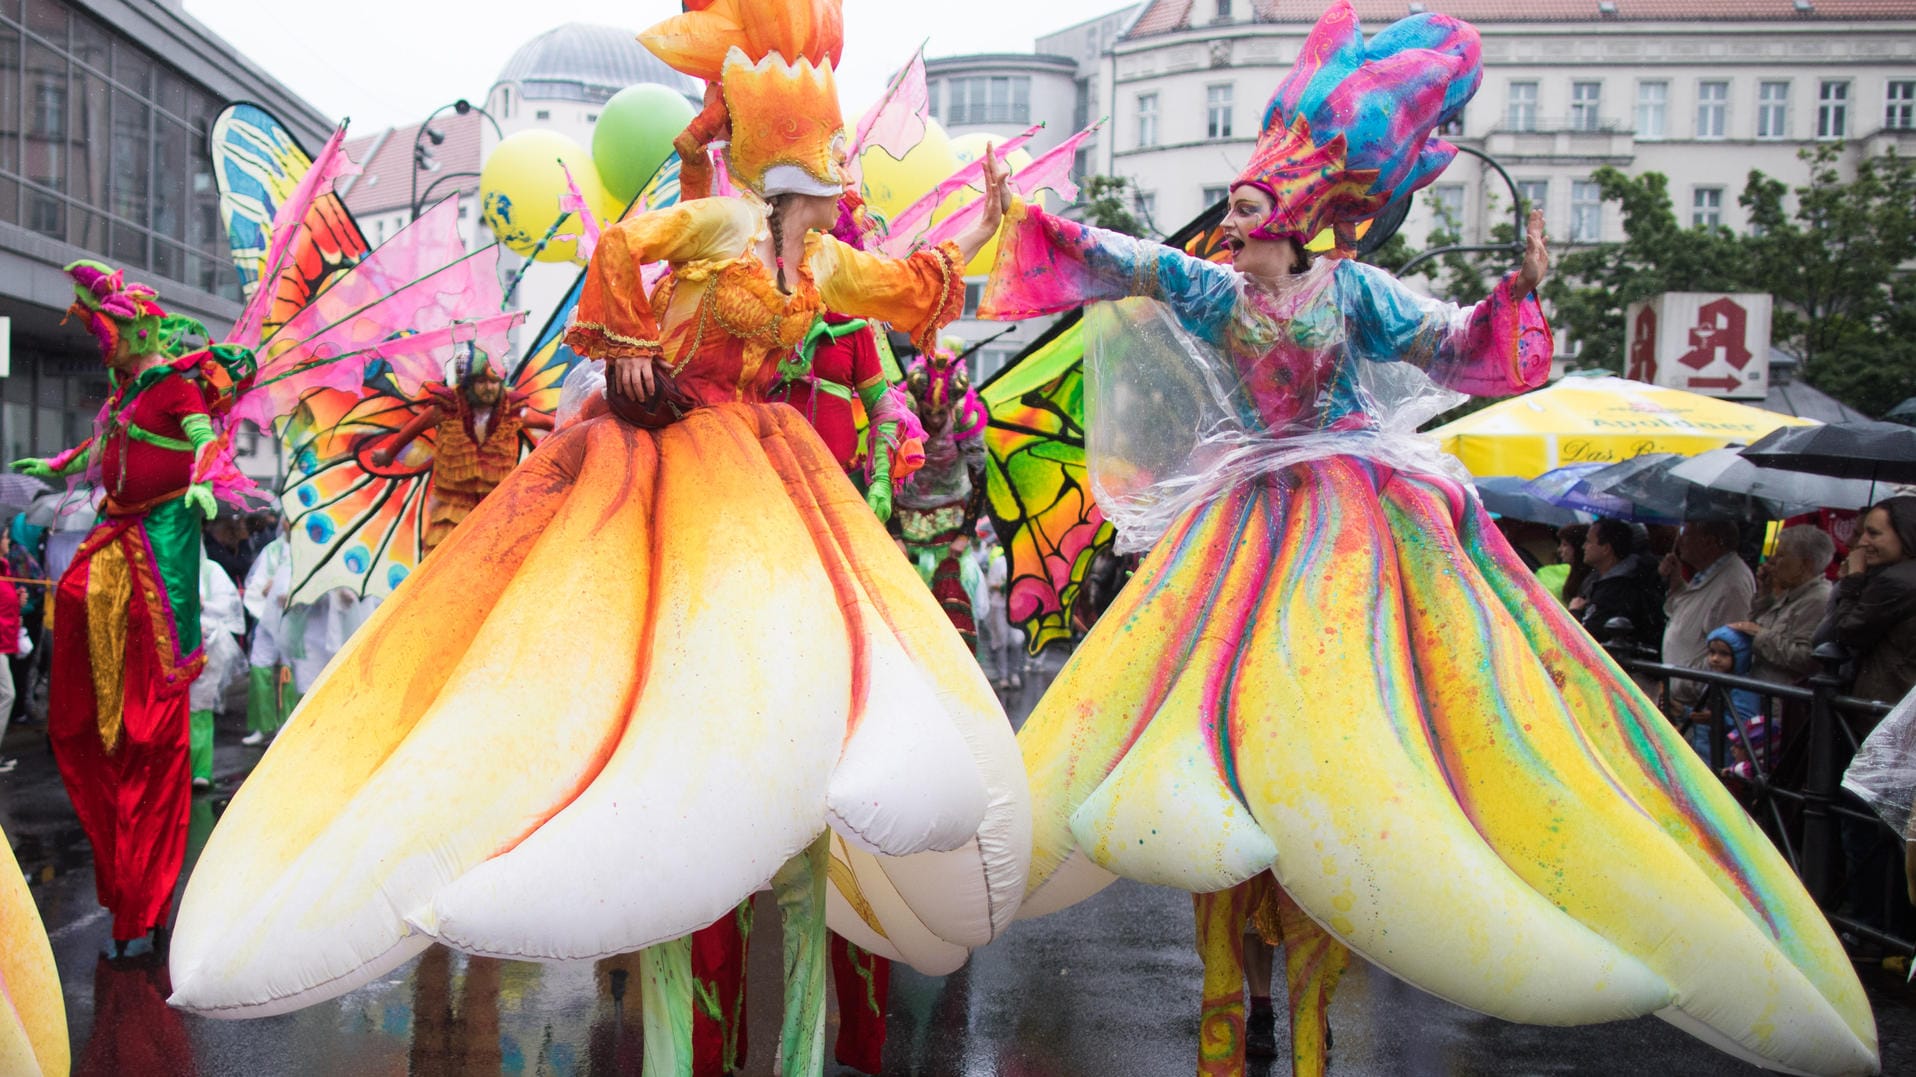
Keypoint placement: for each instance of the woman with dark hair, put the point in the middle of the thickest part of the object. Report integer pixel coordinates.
(1570, 558)
(1873, 606)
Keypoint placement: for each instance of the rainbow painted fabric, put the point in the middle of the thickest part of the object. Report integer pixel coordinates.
(1333, 667)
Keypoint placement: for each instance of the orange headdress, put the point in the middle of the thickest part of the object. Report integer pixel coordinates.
(770, 91)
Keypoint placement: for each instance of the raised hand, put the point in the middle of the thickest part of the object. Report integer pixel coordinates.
(33, 466)
(1536, 256)
(997, 200)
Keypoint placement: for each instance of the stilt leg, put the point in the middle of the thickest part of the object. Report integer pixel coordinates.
(665, 1000)
(1313, 961)
(800, 889)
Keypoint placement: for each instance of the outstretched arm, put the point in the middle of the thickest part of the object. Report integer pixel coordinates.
(1048, 265)
(420, 423)
(1497, 347)
(71, 462)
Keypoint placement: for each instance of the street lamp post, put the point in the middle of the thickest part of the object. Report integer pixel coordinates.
(1516, 202)
(421, 156)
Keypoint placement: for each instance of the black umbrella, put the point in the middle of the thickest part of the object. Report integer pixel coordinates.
(1878, 452)
(1904, 413)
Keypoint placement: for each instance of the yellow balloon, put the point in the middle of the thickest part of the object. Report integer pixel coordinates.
(520, 187)
(891, 184)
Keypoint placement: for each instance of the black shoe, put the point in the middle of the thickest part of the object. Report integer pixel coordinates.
(1260, 1032)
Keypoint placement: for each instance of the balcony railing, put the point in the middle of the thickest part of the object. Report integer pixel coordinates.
(1555, 125)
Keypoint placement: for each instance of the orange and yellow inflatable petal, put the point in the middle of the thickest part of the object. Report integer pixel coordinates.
(680, 684)
(33, 1019)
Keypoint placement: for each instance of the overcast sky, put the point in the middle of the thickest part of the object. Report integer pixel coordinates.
(390, 62)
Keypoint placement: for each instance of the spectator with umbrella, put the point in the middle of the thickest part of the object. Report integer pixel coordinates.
(1717, 591)
(1622, 584)
(1872, 609)
(1792, 598)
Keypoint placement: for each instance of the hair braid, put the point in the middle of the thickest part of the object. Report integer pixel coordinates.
(776, 218)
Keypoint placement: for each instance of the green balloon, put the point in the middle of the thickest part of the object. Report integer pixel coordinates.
(634, 134)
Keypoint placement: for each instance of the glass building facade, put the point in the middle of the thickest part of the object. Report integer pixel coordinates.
(102, 146)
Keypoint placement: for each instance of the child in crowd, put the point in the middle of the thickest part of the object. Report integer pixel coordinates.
(1729, 652)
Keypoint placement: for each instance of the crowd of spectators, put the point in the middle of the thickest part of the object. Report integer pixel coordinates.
(1671, 592)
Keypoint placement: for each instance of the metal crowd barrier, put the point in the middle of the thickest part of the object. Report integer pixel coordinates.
(1836, 845)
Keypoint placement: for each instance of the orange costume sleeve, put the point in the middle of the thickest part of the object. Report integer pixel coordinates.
(919, 295)
(615, 320)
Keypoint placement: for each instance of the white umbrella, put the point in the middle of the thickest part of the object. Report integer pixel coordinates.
(1727, 470)
(62, 510)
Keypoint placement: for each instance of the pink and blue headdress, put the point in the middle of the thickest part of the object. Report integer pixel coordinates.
(1350, 128)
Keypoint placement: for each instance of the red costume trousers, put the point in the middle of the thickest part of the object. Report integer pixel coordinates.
(861, 981)
(124, 763)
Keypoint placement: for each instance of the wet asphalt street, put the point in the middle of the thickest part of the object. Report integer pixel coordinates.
(1108, 988)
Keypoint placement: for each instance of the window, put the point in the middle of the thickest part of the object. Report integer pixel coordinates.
(1586, 212)
(1712, 109)
(542, 114)
(1211, 196)
(1832, 109)
(592, 117)
(102, 145)
(1447, 205)
(974, 294)
(1585, 102)
(1653, 100)
(1706, 207)
(1773, 110)
(1522, 114)
(1217, 111)
(1147, 119)
(1535, 194)
(934, 93)
(989, 99)
(1223, 10)
(1147, 206)
(1900, 113)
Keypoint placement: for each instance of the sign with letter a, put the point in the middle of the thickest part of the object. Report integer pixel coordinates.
(1701, 342)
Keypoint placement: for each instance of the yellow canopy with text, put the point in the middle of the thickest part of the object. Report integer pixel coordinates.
(1599, 419)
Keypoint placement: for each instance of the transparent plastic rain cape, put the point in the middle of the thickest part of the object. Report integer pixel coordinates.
(1883, 773)
(1171, 424)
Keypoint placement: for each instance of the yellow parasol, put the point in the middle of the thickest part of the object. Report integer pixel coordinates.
(1599, 419)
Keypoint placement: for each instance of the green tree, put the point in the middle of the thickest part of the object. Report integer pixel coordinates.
(1844, 303)
(1107, 202)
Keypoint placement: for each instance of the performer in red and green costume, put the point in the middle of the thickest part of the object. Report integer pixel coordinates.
(127, 611)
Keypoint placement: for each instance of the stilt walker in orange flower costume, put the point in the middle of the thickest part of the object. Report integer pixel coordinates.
(127, 610)
(764, 695)
(479, 434)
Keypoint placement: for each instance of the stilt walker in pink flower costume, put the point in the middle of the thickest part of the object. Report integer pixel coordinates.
(1330, 667)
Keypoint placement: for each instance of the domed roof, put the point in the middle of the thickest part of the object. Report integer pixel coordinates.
(581, 62)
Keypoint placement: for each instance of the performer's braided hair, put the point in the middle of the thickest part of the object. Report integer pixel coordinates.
(776, 219)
